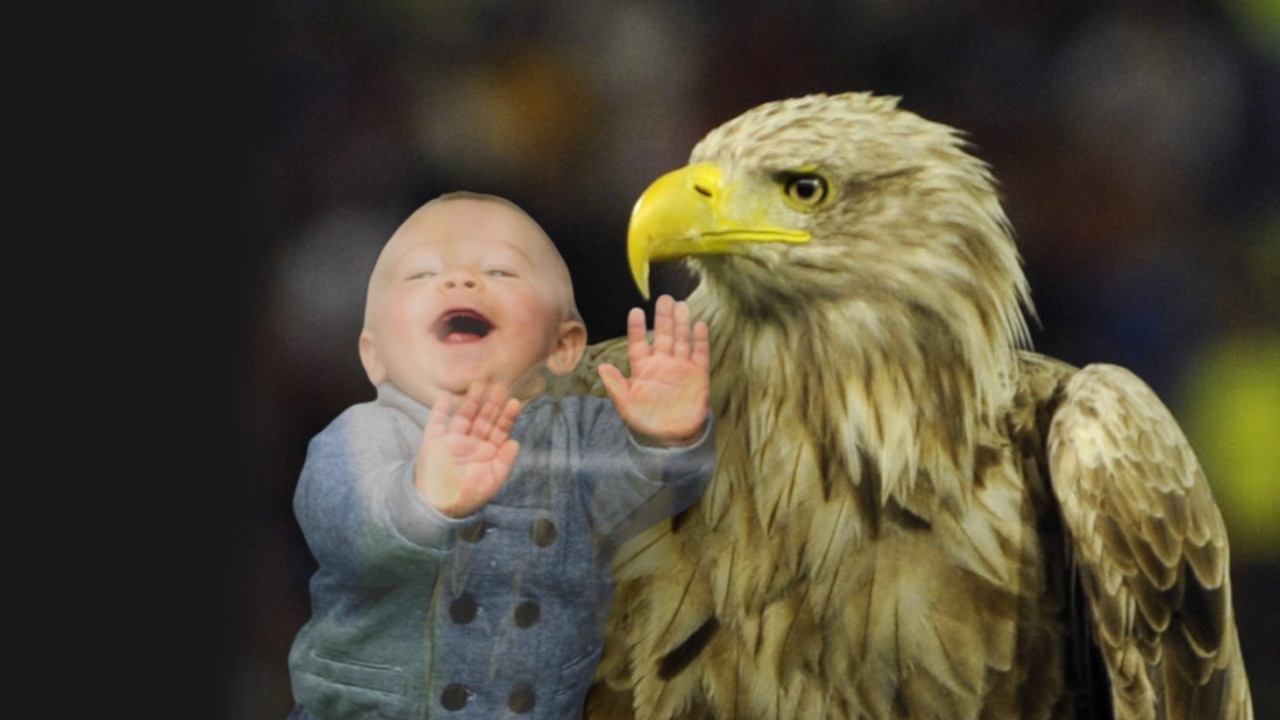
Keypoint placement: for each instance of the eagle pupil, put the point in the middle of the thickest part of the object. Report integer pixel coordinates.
(808, 189)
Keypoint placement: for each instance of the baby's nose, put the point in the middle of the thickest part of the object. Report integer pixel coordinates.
(460, 279)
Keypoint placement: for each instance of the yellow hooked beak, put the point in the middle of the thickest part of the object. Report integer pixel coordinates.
(691, 211)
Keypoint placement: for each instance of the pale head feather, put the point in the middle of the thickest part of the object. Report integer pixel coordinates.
(901, 317)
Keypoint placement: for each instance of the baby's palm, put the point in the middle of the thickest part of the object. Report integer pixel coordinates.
(477, 461)
(466, 457)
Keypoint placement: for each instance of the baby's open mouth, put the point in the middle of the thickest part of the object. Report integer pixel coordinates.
(462, 326)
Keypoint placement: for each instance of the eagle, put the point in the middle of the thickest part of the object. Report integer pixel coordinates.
(913, 515)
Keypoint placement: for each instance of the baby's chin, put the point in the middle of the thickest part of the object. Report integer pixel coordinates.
(524, 388)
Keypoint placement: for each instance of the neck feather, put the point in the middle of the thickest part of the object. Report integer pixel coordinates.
(885, 404)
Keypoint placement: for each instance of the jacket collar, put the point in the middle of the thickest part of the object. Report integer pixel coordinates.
(391, 396)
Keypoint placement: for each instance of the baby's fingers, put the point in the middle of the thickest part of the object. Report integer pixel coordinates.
(681, 330)
(493, 404)
(702, 346)
(663, 322)
(637, 342)
(462, 420)
(614, 383)
(503, 423)
(439, 417)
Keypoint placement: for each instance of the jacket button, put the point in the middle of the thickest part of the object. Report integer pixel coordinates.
(463, 609)
(472, 533)
(521, 699)
(454, 697)
(528, 613)
(544, 532)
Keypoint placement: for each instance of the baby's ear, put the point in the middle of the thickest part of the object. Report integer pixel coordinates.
(373, 366)
(570, 345)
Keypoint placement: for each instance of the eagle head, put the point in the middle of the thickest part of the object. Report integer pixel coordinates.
(858, 234)
(837, 198)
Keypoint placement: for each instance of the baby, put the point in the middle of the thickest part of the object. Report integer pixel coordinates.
(465, 545)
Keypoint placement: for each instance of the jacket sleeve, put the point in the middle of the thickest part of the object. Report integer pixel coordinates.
(630, 486)
(361, 516)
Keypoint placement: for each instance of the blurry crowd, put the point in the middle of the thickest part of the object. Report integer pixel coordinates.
(1137, 144)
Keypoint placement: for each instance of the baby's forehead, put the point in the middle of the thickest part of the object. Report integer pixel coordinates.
(474, 226)
(464, 248)
(475, 223)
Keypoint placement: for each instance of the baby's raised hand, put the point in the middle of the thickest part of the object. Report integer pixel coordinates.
(467, 456)
(665, 400)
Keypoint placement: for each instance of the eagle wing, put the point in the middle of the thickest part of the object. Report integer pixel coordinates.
(1150, 548)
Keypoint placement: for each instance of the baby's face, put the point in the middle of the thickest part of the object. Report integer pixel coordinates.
(466, 290)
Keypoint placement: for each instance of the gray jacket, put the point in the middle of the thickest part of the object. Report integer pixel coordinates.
(500, 614)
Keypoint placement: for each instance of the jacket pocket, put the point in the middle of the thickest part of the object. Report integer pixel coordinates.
(357, 674)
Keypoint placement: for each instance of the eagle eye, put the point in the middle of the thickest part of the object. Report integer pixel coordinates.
(806, 190)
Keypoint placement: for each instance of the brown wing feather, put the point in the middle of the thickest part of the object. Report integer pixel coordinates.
(1151, 549)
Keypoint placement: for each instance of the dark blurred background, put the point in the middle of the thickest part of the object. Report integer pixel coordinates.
(1137, 144)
